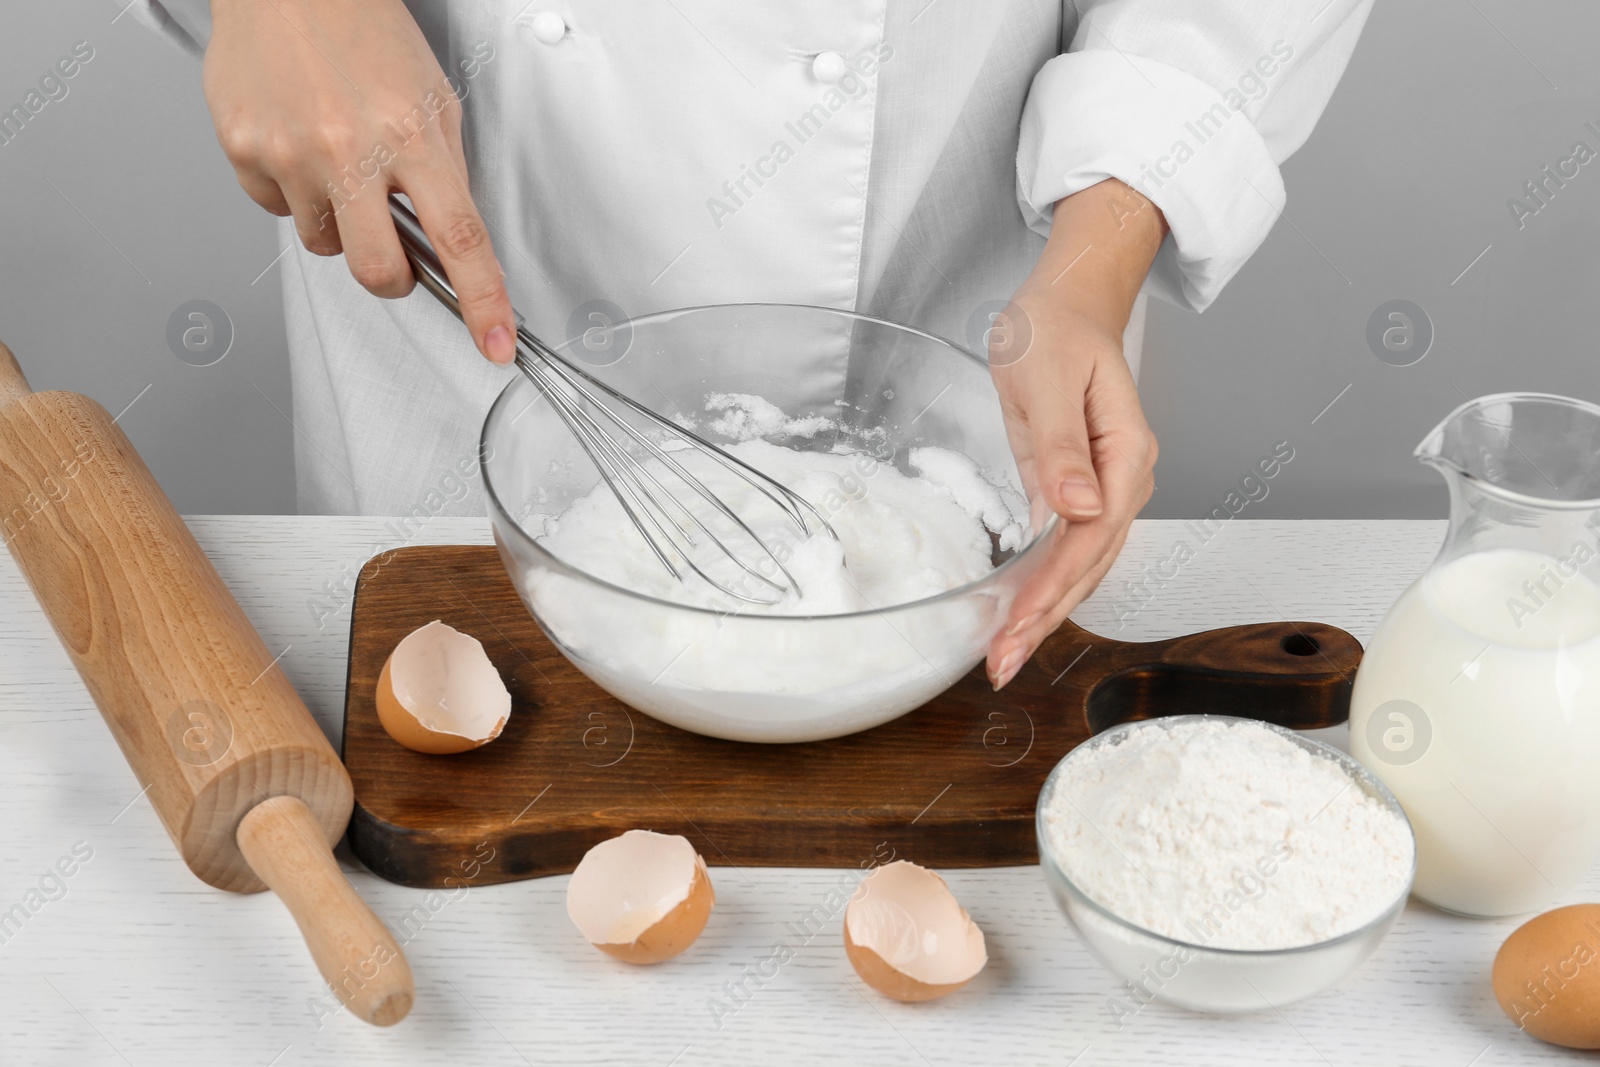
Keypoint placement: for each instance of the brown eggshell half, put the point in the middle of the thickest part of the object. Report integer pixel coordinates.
(892, 983)
(908, 938)
(655, 886)
(676, 930)
(1547, 976)
(439, 694)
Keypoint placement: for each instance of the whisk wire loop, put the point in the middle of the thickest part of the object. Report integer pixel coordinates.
(635, 466)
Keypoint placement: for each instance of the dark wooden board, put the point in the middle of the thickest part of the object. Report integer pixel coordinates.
(952, 784)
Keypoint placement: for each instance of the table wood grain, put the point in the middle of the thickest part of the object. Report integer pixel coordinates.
(132, 960)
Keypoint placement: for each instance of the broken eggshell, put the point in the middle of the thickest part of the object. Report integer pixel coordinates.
(438, 693)
(908, 938)
(642, 897)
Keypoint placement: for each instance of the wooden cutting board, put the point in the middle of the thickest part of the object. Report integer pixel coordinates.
(952, 784)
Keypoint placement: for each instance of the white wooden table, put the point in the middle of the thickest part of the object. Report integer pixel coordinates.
(138, 962)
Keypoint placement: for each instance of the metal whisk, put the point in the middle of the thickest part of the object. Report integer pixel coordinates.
(665, 517)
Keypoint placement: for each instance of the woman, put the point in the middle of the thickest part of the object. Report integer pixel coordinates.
(917, 160)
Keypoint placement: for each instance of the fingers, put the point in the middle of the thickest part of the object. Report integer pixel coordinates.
(1063, 471)
(263, 190)
(274, 187)
(1123, 454)
(1046, 600)
(461, 239)
(1076, 552)
(266, 168)
(315, 221)
(1016, 645)
(372, 248)
(361, 228)
(450, 126)
(1065, 465)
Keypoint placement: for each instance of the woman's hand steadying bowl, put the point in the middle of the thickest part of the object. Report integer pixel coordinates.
(1071, 406)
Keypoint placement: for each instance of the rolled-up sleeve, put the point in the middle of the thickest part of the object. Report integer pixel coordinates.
(186, 23)
(1194, 103)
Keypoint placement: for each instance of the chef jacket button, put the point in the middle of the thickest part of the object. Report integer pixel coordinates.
(547, 27)
(828, 67)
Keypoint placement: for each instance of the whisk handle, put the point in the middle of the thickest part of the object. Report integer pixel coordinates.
(424, 261)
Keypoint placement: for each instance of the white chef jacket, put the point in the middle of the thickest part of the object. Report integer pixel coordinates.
(666, 153)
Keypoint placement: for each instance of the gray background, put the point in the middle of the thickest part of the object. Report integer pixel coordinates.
(118, 207)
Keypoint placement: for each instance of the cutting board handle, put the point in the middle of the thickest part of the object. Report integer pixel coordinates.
(1294, 674)
(355, 952)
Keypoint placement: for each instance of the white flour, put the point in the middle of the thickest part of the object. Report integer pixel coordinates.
(1226, 835)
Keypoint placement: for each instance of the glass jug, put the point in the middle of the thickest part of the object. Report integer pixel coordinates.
(1478, 699)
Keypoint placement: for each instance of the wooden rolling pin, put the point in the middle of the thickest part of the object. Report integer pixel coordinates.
(244, 781)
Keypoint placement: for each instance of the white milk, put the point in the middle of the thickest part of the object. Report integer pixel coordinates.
(1496, 757)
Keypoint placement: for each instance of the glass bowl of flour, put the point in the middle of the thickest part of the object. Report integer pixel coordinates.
(894, 435)
(1221, 864)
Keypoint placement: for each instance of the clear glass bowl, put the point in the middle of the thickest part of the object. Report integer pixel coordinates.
(750, 677)
(1194, 976)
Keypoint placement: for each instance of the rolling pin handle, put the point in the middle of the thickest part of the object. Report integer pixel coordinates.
(355, 952)
(12, 382)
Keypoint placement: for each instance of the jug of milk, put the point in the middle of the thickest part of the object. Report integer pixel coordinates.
(1478, 699)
